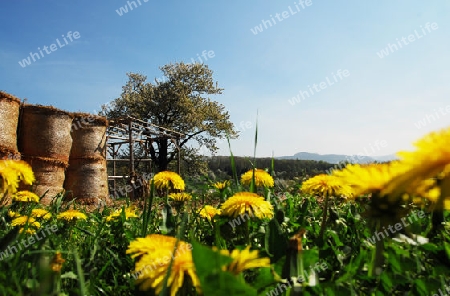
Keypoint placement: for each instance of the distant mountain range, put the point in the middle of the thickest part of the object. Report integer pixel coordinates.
(336, 158)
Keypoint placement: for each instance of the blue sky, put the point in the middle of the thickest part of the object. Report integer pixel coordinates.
(394, 99)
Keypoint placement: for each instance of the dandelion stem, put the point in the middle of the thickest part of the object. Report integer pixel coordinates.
(377, 258)
(247, 232)
(324, 219)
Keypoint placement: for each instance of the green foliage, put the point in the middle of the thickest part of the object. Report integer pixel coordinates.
(275, 241)
(96, 262)
(179, 103)
(147, 212)
(213, 279)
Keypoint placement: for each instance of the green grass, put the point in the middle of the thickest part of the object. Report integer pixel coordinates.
(96, 263)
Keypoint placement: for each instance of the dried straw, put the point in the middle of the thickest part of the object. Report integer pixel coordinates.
(87, 180)
(88, 136)
(50, 175)
(45, 132)
(9, 118)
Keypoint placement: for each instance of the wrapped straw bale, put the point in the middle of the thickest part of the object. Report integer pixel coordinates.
(87, 180)
(50, 174)
(45, 132)
(88, 136)
(9, 120)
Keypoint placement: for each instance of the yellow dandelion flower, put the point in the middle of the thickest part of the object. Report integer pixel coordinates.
(431, 158)
(209, 212)
(57, 262)
(371, 178)
(244, 259)
(23, 170)
(70, 215)
(29, 231)
(434, 194)
(168, 180)
(221, 185)
(130, 212)
(326, 185)
(247, 203)
(180, 196)
(262, 178)
(41, 213)
(12, 172)
(154, 253)
(427, 190)
(9, 181)
(23, 220)
(432, 154)
(13, 214)
(25, 196)
(431, 194)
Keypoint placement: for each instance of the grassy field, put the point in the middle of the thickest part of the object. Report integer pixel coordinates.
(378, 229)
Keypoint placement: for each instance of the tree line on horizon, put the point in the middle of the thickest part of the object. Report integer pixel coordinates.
(285, 169)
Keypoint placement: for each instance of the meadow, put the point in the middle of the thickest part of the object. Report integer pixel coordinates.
(375, 229)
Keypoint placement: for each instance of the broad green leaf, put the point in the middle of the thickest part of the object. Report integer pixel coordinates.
(386, 281)
(264, 278)
(421, 287)
(276, 242)
(214, 281)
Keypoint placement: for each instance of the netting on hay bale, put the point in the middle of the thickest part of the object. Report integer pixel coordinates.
(6, 153)
(87, 180)
(45, 132)
(9, 119)
(88, 136)
(49, 174)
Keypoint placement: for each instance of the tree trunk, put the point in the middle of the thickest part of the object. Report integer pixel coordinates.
(162, 155)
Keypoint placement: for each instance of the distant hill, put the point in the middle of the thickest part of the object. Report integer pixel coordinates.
(336, 158)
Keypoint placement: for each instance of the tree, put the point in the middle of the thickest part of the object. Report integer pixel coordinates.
(178, 103)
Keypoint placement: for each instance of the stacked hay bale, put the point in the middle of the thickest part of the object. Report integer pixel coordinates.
(87, 177)
(45, 143)
(9, 119)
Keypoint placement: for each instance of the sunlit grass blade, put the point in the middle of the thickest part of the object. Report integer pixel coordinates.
(254, 165)
(253, 182)
(80, 273)
(233, 164)
(147, 213)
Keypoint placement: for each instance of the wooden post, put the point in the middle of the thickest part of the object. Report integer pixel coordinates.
(146, 132)
(130, 136)
(114, 169)
(179, 155)
(131, 145)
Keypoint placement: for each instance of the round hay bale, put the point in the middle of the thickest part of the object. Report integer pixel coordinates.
(6, 153)
(9, 118)
(50, 175)
(88, 136)
(87, 180)
(45, 132)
